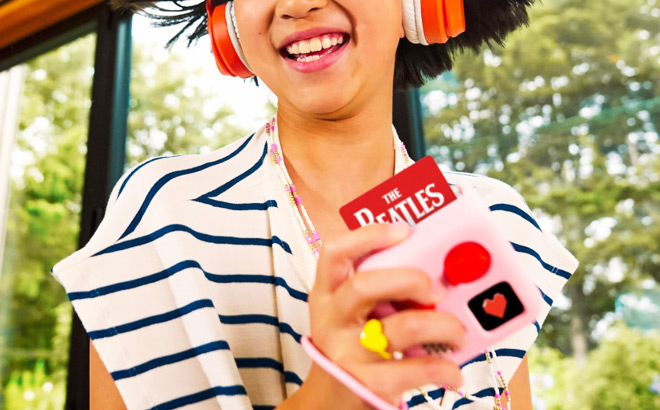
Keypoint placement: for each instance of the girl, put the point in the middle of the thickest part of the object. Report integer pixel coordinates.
(206, 272)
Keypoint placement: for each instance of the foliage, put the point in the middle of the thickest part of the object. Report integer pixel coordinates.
(617, 375)
(171, 112)
(568, 113)
(35, 390)
(44, 212)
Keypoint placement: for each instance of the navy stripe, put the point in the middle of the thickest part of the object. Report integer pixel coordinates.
(277, 281)
(291, 377)
(129, 176)
(131, 284)
(499, 352)
(546, 298)
(438, 393)
(489, 392)
(286, 328)
(152, 320)
(268, 363)
(224, 187)
(201, 396)
(170, 359)
(262, 407)
(419, 399)
(238, 207)
(169, 177)
(248, 319)
(178, 267)
(538, 327)
(514, 209)
(264, 319)
(224, 240)
(258, 363)
(547, 266)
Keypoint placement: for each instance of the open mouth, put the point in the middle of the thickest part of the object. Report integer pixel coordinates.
(315, 48)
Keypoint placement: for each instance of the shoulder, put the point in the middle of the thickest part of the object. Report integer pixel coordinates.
(166, 185)
(491, 190)
(151, 176)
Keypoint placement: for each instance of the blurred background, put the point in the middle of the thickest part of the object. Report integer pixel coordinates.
(568, 113)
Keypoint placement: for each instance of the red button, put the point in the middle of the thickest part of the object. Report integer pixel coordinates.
(466, 262)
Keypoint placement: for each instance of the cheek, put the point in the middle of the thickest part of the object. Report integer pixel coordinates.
(253, 34)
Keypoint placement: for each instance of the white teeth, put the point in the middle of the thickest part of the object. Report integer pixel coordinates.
(308, 59)
(315, 44)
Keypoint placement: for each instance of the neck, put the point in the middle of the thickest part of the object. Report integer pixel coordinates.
(340, 158)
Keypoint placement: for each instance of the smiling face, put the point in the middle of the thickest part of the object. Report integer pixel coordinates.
(322, 57)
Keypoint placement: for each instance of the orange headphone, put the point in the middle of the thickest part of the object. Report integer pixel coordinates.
(424, 21)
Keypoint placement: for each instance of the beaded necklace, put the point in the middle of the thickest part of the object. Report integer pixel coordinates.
(315, 243)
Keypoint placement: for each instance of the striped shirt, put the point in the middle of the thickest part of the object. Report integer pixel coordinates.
(194, 287)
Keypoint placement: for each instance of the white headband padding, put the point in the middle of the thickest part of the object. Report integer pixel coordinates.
(412, 22)
(230, 17)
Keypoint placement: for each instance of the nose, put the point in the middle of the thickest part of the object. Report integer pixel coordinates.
(297, 8)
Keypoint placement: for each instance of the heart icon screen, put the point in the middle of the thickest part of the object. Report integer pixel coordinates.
(496, 306)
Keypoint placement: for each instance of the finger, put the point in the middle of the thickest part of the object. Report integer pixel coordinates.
(337, 257)
(390, 379)
(414, 327)
(358, 296)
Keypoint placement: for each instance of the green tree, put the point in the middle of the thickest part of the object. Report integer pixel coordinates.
(43, 214)
(170, 112)
(617, 375)
(568, 113)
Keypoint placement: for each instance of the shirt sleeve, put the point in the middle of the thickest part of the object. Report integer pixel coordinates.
(148, 323)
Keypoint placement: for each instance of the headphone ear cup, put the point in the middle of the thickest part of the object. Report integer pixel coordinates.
(436, 20)
(455, 17)
(228, 60)
(433, 16)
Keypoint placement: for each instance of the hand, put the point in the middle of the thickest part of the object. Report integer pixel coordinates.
(340, 303)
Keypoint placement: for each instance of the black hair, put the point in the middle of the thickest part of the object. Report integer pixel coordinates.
(487, 22)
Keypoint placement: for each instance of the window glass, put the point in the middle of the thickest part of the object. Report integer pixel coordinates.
(568, 113)
(180, 103)
(44, 110)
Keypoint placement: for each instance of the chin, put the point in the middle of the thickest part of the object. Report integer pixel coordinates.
(330, 101)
